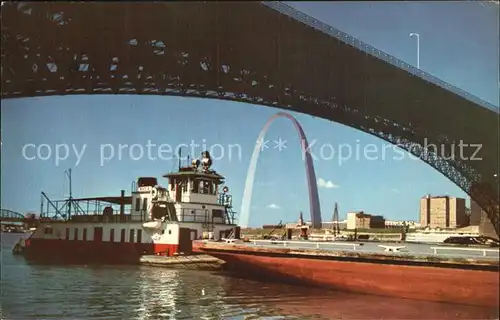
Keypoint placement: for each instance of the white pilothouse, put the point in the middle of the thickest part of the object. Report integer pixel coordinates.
(195, 198)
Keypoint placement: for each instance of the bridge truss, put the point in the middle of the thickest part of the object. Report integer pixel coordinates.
(11, 216)
(260, 53)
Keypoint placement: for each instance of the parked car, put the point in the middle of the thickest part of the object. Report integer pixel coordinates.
(469, 240)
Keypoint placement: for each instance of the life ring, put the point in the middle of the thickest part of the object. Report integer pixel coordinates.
(154, 193)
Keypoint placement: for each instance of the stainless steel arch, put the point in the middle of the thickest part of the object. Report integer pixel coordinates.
(311, 176)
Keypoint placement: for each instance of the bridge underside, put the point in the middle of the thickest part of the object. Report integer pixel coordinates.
(253, 53)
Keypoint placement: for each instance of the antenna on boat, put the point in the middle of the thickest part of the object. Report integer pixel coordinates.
(68, 173)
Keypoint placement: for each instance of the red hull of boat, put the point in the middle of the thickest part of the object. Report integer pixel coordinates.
(461, 286)
(63, 251)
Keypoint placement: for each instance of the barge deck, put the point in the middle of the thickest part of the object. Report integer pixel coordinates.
(465, 279)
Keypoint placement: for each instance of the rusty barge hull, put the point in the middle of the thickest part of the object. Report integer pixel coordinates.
(461, 281)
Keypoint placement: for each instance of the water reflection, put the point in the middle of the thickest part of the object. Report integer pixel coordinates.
(182, 294)
(157, 295)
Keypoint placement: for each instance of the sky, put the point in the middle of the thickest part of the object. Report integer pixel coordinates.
(458, 44)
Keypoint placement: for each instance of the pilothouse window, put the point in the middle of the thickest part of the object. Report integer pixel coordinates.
(205, 187)
(217, 213)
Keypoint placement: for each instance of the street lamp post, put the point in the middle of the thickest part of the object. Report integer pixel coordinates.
(418, 47)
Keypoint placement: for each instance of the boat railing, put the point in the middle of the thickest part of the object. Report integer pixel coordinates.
(317, 245)
(483, 250)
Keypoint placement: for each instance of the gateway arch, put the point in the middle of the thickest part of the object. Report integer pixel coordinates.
(314, 206)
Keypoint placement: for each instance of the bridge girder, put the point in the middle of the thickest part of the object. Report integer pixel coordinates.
(249, 52)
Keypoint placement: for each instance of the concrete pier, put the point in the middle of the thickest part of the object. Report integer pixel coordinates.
(197, 261)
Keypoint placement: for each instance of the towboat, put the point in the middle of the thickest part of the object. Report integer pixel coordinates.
(156, 220)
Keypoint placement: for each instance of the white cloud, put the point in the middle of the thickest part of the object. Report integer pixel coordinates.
(273, 206)
(395, 191)
(322, 183)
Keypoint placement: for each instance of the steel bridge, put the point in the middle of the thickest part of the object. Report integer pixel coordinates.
(11, 216)
(260, 53)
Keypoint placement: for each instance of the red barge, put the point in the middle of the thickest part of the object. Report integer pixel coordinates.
(153, 220)
(461, 281)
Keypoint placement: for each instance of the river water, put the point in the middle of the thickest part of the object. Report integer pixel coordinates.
(30, 291)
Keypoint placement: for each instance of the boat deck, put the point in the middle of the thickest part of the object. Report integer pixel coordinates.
(415, 249)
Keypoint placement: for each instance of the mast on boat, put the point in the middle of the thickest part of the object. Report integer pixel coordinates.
(68, 174)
